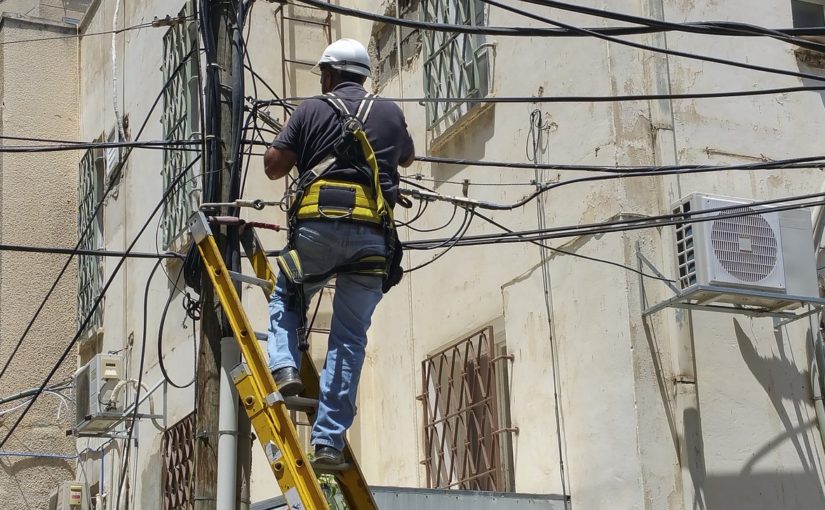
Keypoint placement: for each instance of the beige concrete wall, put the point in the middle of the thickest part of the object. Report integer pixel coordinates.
(37, 207)
(738, 419)
(623, 429)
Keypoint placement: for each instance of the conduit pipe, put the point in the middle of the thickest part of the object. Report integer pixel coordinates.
(227, 427)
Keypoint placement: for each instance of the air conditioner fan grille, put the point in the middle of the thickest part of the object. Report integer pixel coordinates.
(745, 246)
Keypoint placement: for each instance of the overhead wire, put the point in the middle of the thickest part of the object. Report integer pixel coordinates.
(635, 223)
(734, 27)
(656, 49)
(590, 99)
(82, 327)
(158, 23)
(779, 164)
(538, 32)
(93, 217)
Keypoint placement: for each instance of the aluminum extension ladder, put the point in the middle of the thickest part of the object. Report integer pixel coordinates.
(268, 410)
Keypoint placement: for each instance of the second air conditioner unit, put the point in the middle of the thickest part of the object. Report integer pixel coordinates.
(749, 255)
(94, 386)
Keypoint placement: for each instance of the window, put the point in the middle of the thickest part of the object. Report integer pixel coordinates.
(808, 13)
(178, 465)
(456, 65)
(385, 46)
(467, 417)
(180, 122)
(90, 268)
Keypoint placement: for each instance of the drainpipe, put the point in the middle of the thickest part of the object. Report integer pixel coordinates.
(227, 427)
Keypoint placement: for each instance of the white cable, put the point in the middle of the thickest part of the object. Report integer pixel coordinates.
(122, 384)
(118, 116)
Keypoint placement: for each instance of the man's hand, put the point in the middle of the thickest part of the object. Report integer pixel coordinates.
(278, 162)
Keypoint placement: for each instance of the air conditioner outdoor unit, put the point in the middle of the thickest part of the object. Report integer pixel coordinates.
(69, 496)
(94, 384)
(764, 259)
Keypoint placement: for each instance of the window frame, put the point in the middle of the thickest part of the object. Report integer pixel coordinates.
(466, 441)
(180, 121)
(455, 65)
(90, 268)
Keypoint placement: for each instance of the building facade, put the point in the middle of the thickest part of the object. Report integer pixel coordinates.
(506, 367)
(37, 45)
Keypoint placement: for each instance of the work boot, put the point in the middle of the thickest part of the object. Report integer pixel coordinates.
(288, 381)
(328, 456)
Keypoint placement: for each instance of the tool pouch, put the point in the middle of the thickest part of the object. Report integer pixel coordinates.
(395, 254)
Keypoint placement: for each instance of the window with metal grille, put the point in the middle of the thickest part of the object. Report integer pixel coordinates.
(467, 416)
(90, 234)
(178, 463)
(456, 65)
(181, 114)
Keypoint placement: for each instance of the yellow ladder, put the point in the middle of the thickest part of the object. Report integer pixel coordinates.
(268, 410)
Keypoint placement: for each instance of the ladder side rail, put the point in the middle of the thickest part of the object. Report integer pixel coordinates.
(269, 415)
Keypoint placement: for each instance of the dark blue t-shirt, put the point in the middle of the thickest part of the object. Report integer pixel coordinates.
(314, 127)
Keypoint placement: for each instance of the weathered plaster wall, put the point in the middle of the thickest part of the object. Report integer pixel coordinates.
(37, 207)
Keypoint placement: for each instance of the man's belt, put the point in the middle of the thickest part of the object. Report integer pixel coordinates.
(334, 199)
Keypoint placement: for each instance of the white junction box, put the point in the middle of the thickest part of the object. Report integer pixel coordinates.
(94, 386)
(69, 496)
(762, 257)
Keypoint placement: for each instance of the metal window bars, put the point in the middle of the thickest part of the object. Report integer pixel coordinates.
(90, 268)
(462, 424)
(180, 121)
(455, 65)
(178, 463)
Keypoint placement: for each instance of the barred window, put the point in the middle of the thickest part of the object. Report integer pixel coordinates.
(467, 416)
(178, 465)
(181, 114)
(90, 234)
(456, 65)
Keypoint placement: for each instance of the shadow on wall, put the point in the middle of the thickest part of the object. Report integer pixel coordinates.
(466, 139)
(783, 382)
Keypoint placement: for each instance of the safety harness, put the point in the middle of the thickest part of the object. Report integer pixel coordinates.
(315, 197)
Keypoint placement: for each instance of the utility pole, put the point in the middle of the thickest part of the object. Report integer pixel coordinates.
(219, 26)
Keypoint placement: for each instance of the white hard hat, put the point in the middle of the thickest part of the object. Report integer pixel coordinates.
(345, 55)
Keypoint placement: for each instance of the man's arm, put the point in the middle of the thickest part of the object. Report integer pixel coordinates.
(278, 162)
(409, 158)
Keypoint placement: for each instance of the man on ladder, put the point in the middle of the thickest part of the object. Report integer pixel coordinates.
(347, 147)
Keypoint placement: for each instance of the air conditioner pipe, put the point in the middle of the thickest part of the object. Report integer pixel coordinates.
(227, 427)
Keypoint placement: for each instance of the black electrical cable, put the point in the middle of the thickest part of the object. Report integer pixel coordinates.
(626, 225)
(128, 444)
(161, 363)
(93, 219)
(589, 99)
(656, 49)
(95, 305)
(89, 34)
(535, 32)
(807, 162)
(92, 253)
(736, 28)
(154, 144)
(544, 188)
(450, 243)
(422, 208)
(442, 227)
(558, 250)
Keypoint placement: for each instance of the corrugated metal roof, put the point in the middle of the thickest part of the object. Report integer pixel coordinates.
(402, 498)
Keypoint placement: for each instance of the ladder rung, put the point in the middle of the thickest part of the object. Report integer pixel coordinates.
(238, 277)
(302, 404)
(328, 469)
(261, 335)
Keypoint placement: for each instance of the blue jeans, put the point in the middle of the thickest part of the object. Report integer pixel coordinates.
(323, 245)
